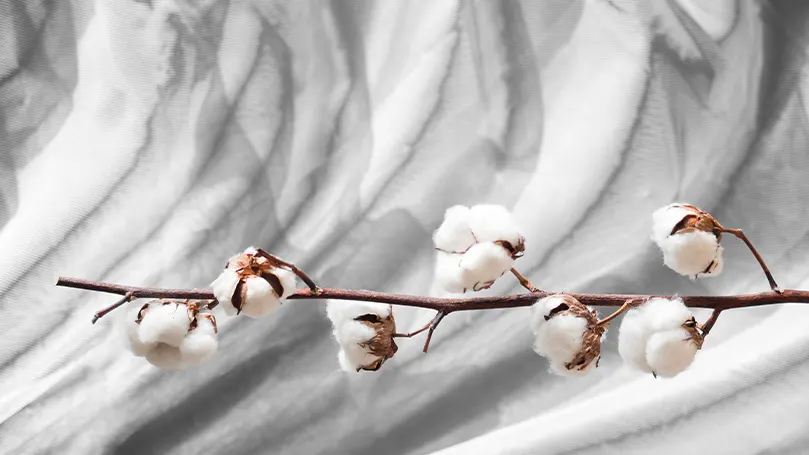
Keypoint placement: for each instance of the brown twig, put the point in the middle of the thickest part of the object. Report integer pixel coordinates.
(708, 325)
(739, 234)
(525, 282)
(128, 297)
(626, 306)
(433, 324)
(278, 262)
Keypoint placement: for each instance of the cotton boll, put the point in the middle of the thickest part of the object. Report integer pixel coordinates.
(167, 323)
(671, 352)
(166, 357)
(260, 299)
(691, 253)
(483, 264)
(490, 223)
(560, 338)
(448, 272)
(664, 314)
(223, 288)
(200, 343)
(665, 219)
(633, 337)
(454, 234)
(350, 336)
(131, 332)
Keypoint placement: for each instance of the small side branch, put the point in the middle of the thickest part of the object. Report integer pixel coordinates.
(524, 281)
(278, 262)
(128, 297)
(708, 325)
(625, 307)
(433, 324)
(739, 234)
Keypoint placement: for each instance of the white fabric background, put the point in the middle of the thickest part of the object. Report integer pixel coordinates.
(143, 142)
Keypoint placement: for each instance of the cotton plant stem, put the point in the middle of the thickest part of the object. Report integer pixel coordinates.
(276, 261)
(739, 234)
(525, 282)
(128, 297)
(433, 325)
(606, 321)
(708, 325)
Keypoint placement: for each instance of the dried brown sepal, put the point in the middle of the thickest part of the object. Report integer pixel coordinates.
(516, 251)
(695, 336)
(239, 295)
(275, 282)
(381, 344)
(591, 338)
(697, 220)
(142, 311)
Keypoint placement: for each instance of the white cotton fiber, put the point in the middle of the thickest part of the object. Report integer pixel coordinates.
(691, 253)
(454, 234)
(343, 311)
(287, 279)
(166, 357)
(671, 352)
(167, 323)
(651, 337)
(664, 314)
(448, 272)
(490, 223)
(199, 344)
(223, 288)
(560, 338)
(131, 329)
(352, 333)
(542, 308)
(633, 337)
(665, 218)
(260, 299)
(483, 263)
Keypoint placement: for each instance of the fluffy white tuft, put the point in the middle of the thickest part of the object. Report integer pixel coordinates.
(651, 337)
(490, 223)
(345, 311)
(560, 338)
(691, 253)
(448, 272)
(223, 288)
(632, 339)
(664, 219)
(260, 298)
(484, 262)
(454, 234)
(664, 314)
(671, 352)
(132, 334)
(167, 323)
(287, 279)
(542, 308)
(199, 344)
(166, 357)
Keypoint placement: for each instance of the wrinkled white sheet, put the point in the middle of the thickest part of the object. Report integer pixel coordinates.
(143, 142)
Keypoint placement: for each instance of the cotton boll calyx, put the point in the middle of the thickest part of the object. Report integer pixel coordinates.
(365, 333)
(253, 285)
(567, 333)
(454, 234)
(483, 264)
(689, 239)
(659, 337)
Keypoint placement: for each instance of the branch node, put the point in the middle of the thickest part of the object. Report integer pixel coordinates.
(525, 282)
